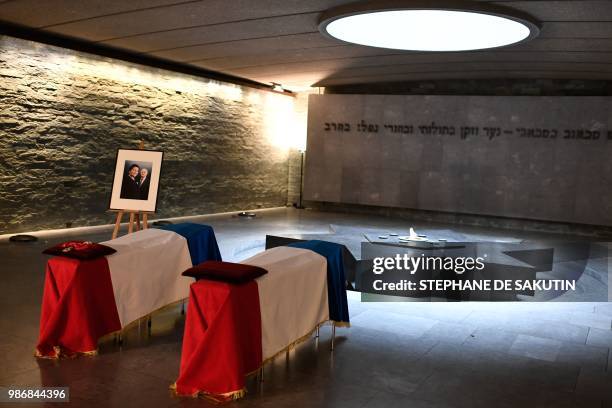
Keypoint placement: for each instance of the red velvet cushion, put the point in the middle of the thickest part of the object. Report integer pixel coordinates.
(80, 250)
(225, 271)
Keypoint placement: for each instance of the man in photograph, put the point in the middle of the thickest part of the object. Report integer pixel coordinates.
(130, 186)
(144, 183)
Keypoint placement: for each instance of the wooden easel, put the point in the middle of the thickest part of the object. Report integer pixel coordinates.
(134, 223)
(134, 215)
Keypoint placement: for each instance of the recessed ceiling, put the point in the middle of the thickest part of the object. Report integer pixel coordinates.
(278, 40)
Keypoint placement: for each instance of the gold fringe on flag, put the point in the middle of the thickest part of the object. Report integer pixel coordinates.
(217, 398)
(60, 353)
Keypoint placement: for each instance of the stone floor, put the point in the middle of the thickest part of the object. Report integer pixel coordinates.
(398, 354)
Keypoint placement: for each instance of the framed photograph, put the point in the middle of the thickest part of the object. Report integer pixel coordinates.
(136, 180)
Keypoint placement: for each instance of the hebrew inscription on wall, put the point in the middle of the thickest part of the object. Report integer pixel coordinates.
(547, 158)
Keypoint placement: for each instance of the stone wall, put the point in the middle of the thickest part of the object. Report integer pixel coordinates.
(64, 114)
(295, 155)
(529, 157)
(483, 86)
(294, 178)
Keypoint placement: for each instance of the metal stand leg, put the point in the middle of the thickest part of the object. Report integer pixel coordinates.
(333, 335)
(120, 339)
(183, 308)
(317, 333)
(261, 374)
(149, 325)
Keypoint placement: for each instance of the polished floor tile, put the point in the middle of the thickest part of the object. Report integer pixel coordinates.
(495, 340)
(591, 357)
(600, 337)
(536, 347)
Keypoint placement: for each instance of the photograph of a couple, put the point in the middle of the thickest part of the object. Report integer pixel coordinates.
(136, 180)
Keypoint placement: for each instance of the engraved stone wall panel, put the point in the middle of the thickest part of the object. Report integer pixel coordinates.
(537, 157)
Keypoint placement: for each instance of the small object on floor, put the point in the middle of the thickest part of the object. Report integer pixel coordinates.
(23, 238)
(247, 214)
(393, 234)
(161, 222)
(383, 237)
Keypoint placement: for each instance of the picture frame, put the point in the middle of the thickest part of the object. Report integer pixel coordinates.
(136, 180)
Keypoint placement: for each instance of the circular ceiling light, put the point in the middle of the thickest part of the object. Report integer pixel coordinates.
(446, 26)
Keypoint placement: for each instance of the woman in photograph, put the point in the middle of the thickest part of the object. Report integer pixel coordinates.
(130, 186)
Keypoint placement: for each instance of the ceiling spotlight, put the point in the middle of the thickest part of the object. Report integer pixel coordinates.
(428, 25)
(277, 87)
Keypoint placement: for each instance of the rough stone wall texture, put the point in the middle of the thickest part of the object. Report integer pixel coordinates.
(294, 177)
(64, 114)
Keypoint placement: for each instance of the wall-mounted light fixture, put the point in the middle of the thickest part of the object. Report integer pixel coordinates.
(454, 25)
